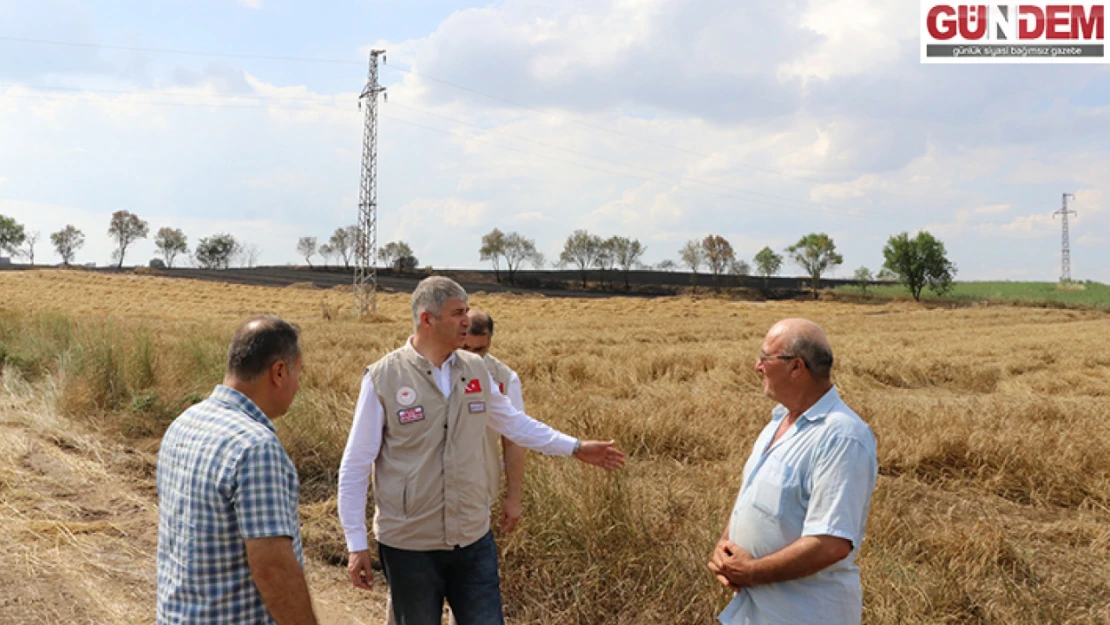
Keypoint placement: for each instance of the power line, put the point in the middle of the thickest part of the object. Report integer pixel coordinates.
(682, 184)
(441, 81)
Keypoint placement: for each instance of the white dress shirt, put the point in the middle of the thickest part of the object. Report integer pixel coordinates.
(365, 440)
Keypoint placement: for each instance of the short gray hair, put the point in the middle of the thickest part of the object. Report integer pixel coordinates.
(817, 356)
(431, 296)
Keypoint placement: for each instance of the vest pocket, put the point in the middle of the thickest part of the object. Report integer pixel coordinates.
(772, 484)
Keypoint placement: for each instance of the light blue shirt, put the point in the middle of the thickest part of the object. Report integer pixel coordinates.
(816, 480)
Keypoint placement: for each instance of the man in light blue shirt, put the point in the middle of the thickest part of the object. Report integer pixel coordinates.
(789, 549)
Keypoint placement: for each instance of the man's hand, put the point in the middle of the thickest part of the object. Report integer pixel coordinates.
(601, 453)
(511, 510)
(731, 565)
(358, 568)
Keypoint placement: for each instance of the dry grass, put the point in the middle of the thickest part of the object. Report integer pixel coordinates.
(993, 503)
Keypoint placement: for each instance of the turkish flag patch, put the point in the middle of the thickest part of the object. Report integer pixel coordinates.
(474, 386)
(501, 387)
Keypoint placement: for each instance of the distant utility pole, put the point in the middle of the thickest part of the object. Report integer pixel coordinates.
(366, 245)
(1065, 247)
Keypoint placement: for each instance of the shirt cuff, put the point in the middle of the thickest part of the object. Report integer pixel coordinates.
(357, 542)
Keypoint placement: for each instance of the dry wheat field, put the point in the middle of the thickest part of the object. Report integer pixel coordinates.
(992, 506)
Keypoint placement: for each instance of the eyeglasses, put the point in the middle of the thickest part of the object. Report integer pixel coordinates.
(764, 357)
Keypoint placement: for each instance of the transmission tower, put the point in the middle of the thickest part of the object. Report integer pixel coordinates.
(366, 246)
(1065, 247)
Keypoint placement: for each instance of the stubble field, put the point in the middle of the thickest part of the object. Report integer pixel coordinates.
(992, 505)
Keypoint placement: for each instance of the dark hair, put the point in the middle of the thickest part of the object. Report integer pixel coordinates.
(817, 356)
(261, 341)
(481, 325)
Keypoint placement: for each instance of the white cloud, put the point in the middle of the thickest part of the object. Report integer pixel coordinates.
(762, 122)
(993, 209)
(251, 4)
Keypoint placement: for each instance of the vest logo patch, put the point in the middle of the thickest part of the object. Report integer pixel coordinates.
(474, 386)
(476, 406)
(411, 415)
(406, 396)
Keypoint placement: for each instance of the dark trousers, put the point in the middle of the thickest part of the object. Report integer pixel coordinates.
(467, 577)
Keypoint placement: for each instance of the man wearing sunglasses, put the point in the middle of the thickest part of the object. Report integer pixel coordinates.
(789, 548)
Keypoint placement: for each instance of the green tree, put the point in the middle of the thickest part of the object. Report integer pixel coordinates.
(739, 268)
(126, 228)
(516, 250)
(718, 255)
(306, 246)
(626, 254)
(216, 251)
(493, 249)
(326, 252)
(693, 256)
(816, 254)
(343, 242)
(863, 279)
(767, 264)
(582, 250)
(170, 243)
(397, 255)
(67, 241)
(12, 235)
(919, 262)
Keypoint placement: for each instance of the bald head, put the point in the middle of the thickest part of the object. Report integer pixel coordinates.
(481, 324)
(261, 341)
(806, 340)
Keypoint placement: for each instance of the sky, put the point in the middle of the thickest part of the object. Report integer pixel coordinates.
(661, 120)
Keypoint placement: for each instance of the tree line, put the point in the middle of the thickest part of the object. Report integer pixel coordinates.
(125, 228)
(917, 262)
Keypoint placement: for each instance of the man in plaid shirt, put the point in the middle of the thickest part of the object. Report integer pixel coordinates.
(229, 537)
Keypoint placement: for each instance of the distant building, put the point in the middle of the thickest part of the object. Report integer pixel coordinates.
(5, 260)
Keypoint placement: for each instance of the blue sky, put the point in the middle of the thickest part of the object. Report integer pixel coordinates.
(664, 120)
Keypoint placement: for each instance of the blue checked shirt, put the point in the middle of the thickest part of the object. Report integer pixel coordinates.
(223, 476)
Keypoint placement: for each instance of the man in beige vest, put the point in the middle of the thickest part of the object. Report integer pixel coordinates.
(501, 453)
(420, 428)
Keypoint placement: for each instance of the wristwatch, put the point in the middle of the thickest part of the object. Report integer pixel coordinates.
(577, 446)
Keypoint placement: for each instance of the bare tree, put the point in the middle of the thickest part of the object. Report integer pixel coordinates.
(306, 246)
(246, 255)
(693, 256)
(67, 241)
(30, 241)
(126, 228)
(171, 242)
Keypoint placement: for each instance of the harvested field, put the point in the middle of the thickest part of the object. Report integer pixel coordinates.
(992, 506)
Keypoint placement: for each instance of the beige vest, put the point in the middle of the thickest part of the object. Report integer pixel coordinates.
(501, 376)
(430, 489)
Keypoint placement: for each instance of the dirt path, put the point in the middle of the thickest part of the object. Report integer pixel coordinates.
(78, 525)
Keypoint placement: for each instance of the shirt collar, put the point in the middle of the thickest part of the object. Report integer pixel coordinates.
(446, 363)
(238, 401)
(816, 412)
